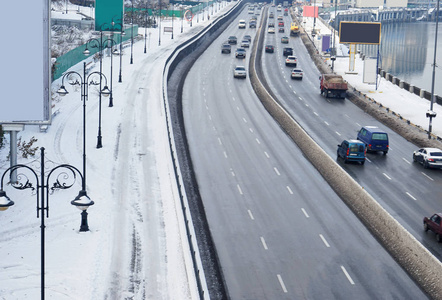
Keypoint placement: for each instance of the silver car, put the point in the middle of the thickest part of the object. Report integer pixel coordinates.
(428, 157)
(239, 72)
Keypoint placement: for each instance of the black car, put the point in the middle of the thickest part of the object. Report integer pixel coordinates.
(270, 49)
(240, 53)
(252, 24)
(287, 51)
(226, 48)
(232, 40)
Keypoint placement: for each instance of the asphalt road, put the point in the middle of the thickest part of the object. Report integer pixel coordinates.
(279, 229)
(405, 189)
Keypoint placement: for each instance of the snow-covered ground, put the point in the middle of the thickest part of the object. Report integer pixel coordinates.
(136, 247)
(409, 106)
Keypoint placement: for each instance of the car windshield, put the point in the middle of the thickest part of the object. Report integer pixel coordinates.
(240, 68)
(380, 136)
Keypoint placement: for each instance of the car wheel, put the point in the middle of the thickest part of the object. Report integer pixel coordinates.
(426, 227)
(385, 152)
(438, 238)
(345, 161)
(414, 158)
(363, 162)
(425, 164)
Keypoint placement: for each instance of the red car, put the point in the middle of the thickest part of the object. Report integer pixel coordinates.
(281, 24)
(434, 224)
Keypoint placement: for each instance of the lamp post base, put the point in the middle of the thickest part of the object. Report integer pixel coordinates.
(84, 226)
(99, 144)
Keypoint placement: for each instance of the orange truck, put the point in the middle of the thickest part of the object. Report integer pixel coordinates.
(333, 85)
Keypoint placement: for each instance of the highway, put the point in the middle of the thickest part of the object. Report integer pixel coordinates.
(405, 189)
(280, 231)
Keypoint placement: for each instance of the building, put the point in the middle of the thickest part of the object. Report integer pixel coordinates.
(379, 3)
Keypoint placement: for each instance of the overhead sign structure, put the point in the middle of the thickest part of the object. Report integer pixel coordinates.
(106, 12)
(360, 33)
(25, 83)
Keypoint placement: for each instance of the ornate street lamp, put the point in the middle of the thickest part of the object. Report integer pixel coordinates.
(84, 83)
(60, 177)
(100, 44)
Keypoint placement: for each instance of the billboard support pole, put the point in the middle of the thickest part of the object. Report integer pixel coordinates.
(13, 129)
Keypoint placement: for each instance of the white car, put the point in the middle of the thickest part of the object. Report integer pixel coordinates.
(297, 74)
(239, 72)
(428, 157)
(271, 30)
(245, 44)
(291, 61)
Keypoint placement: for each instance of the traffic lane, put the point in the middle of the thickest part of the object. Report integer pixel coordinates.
(393, 169)
(247, 166)
(256, 196)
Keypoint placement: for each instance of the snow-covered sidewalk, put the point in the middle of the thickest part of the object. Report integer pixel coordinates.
(136, 247)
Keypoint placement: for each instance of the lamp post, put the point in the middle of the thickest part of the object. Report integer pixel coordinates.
(173, 16)
(84, 83)
(182, 18)
(132, 35)
(159, 25)
(65, 177)
(333, 54)
(100, 44)
(120, 76)
(431, 114)
(145, 31)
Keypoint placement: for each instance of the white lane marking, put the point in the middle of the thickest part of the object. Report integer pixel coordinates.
(225, 154)
(294, 92)
(250, 214)
(276, 171)
(411, 196)
(326, 123)
(251, 130)
(244, 119)
(325, 242)
(239, 189)
(406, 161)
(233, 173)
(258, 141)
(210, 117)
(346, 115)
(358, 124)
(233, 98)
(338, 133)
(316, 114)
(290, 190)
(388, 177)
(237, 108)
(301, 99)
(367, 159)
(281, 283)
(348, 275)
(306, 105)
(305, 213)
(219, 141)
(207, 108)
(264, 243)
(427, 176)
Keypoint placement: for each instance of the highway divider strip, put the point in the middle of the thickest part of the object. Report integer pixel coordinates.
(418, 262)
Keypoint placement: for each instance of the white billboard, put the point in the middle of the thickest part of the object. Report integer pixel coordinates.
(370, 71)
(25, 73)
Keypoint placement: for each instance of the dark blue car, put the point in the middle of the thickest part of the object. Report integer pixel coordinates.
(374, 138)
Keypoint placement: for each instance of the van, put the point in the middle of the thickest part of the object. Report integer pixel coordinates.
(352, 150)
(242, 24)
(374, 138)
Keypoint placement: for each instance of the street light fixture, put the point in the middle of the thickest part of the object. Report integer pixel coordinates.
(432, 114)
(84, 83)
(132, 35)
(100, 44)
(65, 177)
